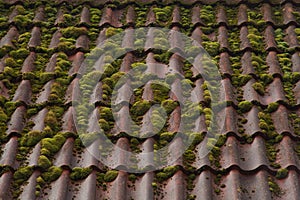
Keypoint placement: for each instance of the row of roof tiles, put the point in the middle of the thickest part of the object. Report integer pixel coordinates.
(247, 165)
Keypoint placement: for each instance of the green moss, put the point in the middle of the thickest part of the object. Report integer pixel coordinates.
(106, 113)
(40, 181)
(140, 108)
(44, 162)
(24, 39)
(32, 138)
(211, 47)
(232, 15)
(169, 105)
(207, 15)
(3, 116)
(282, 173)
(132, 177)
(10, 62)
(154, 185)
(51, 120)
(134, 145)
(163, 14)
(272, 107)
(167, 136)
(104, 125)
(22, 174)
(66, 45)
(10, 73)
(110, 175)
(160, 91)
(189, 156)
(111, 31)
(21, 53)
(95, 16)
(255, 38)
(240, 80)
(141, 13)
(158, 119)
(79, 173)
(272, 153)
(266, 78)
(274, 188)
(166, 173)
(259, 88)
(52, 174)
(89, 138)
(23, 21)
(192, 197)
(52, 145)
(245, 106)
(217, 191)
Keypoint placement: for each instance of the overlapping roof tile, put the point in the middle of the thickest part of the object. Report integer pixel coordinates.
(255, 45)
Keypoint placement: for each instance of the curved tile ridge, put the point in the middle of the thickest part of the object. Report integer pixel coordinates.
(23, 92)
(203, 185)
(247, 157)
(35, 39)
(88, 188)
(89, 157)
(287, 155)
(77, 63)
(64, 156)
(251, 157)
(17, 123)
(85, 17)
(5, 183)
(118, 189)
(111, 17)
(28, 65)
(11, 35)
(29, 190)
(291, 180)
(288, 16)
(281, 120)
(143, 187)
(274, 66)
(59, 188)
(250, 187)
(272, 93)
(296, 62)
(69, 121)
(175, 187)
(9, 153)
(39, 15)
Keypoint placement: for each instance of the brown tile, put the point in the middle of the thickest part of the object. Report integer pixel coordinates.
(9, 153)
(242, 15)
(35, 39)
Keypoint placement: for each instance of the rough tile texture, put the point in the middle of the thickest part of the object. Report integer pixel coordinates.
(256, 47)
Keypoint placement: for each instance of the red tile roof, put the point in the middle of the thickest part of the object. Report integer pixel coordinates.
(256, 47)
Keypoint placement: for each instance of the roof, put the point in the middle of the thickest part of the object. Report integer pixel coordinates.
(255, 45)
